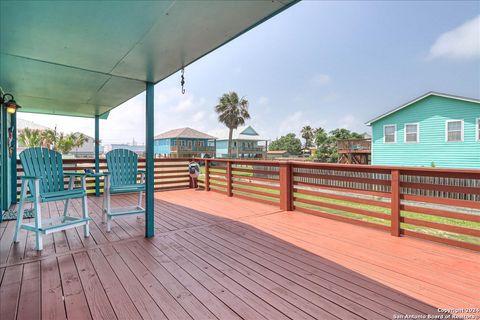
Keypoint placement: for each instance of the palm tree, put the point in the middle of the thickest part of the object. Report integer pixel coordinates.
(30, 138)
(232, 111)
(51, 139)
(65, 143)
(307, 134)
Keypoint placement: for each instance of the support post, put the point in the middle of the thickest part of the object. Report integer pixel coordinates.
(97, 154)
(3, 158)
(149, 161)
(286, 186)
(13, 161)
(207, 175)
(229, 179)
(395, 203)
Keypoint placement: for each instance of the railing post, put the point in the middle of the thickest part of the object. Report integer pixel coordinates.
(207, 176)
(395, 203)
(286, 186)
(97, 154)
(229, 179)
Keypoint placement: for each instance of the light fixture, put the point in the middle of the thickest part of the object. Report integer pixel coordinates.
(10, 105)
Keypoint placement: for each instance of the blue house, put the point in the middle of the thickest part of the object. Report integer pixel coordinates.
(184, 142)
(246, 143)
(434, 129)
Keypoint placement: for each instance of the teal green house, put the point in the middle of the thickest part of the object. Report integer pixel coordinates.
(435, 129)
(184, 142)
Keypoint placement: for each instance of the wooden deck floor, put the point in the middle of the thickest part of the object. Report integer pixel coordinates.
(215, 257)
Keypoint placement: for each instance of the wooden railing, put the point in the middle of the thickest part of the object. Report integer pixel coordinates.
(251, 149)
(354, 145)
(170, 173)
(441, 205)
(192, 148)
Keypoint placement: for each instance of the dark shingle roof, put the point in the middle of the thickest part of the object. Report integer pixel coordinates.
(184, 133)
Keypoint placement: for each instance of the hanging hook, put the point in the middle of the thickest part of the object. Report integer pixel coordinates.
(182, 82)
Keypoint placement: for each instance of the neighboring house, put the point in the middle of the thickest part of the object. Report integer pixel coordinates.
(184, 142)
(309, 152)
(355, 151)
(435, 129)
(138, 149)
(366, 136)
(246, 143)
(276, 154)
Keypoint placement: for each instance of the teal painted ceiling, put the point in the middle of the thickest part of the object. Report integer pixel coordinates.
(84, 58)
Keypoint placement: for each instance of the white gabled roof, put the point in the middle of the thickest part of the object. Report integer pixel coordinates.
(242, 133)
(428, 94)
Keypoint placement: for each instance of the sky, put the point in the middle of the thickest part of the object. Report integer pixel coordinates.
(319, 63)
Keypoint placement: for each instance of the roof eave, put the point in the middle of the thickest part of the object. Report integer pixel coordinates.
(430, 93)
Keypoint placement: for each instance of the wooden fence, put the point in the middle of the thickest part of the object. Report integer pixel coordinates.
(441, 205)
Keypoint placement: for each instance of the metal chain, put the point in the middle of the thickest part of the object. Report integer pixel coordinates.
(182, 82)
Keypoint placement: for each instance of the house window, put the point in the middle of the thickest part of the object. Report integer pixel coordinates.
(454, 130)
(200, 143)
(411, 132)
(390, 133)
(478, 129)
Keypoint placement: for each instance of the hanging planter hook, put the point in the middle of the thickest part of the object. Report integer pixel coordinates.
(182, 81)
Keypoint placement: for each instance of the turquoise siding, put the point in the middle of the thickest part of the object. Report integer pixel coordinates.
(163, 146)
(222, 147)
(431, 113)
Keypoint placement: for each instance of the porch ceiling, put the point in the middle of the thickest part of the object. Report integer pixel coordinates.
(85, 58)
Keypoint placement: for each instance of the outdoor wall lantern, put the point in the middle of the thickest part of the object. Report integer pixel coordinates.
(10, 105)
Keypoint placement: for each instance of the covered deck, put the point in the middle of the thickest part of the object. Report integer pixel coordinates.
(218, 259)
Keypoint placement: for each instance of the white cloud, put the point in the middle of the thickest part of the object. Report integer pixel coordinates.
(320, 79)
(462, 42)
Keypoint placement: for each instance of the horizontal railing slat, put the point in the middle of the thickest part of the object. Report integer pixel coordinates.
(441, 226)
(451, 242)
(370, 202)
(343, 208)
(439, 187)
(441, 213)
(343, 219)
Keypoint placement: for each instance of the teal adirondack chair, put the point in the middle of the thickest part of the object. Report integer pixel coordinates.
(44, 178)
(122, 177)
